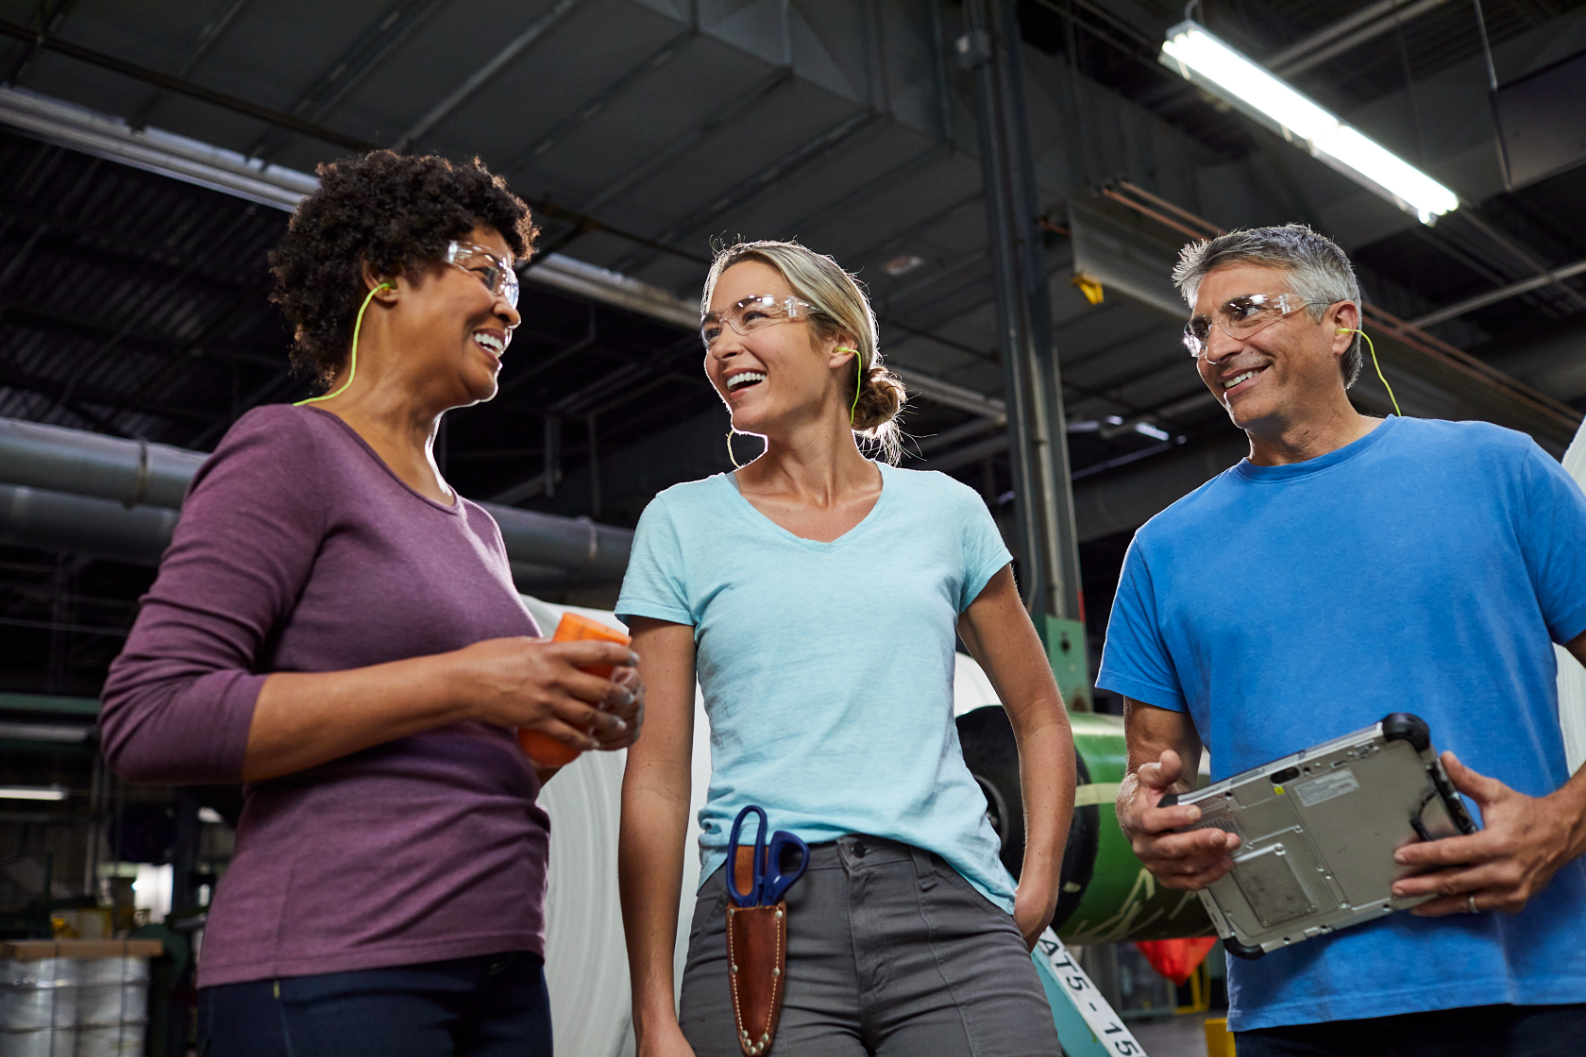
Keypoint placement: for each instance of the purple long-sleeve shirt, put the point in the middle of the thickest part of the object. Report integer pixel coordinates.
(299, 551)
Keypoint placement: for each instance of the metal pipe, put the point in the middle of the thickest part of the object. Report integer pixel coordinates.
(33, 517)
(131, 472)
(68, 490)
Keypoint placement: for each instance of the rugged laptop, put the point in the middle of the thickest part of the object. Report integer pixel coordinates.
(1318, 830)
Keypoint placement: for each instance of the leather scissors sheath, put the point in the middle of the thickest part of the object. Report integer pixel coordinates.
(757, 960)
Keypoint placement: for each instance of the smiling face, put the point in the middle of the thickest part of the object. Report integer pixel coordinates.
(1276, 376)
(454, 330)
(774, 376)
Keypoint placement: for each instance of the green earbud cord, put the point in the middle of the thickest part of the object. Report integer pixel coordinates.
(352, 368)
(859, 381)
(1377, 365)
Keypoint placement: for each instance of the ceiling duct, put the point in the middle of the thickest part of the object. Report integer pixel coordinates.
(65, 489)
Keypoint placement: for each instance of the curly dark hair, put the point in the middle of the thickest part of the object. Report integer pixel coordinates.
(392, 211)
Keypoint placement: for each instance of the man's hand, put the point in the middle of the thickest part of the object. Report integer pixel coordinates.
(1523, 842)
(1178, 860)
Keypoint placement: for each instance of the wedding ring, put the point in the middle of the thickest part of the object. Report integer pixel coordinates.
(1470, 903)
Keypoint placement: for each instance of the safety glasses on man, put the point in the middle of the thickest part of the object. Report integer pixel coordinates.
(1241, 318)
(752, 313)
(495, 273)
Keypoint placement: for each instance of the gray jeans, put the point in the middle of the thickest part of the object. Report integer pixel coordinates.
(890, 952)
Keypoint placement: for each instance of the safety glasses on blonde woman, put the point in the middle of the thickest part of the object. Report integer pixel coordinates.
(752, 313)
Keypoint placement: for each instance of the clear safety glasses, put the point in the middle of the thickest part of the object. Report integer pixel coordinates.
(1241, 318)
(751, 314)
(484, 265)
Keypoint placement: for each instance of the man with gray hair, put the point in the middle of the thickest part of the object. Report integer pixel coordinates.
(1350, 567)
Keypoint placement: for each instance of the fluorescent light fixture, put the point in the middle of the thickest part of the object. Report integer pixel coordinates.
(32, 792)
(1202, 59)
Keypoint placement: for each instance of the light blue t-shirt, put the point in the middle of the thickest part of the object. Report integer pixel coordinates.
(1425, 568)
(827, 668)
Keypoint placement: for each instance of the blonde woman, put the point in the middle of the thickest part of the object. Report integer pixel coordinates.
(815, 595)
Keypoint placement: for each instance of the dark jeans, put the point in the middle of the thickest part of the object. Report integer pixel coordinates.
(495, 1005)
(1487, 1031)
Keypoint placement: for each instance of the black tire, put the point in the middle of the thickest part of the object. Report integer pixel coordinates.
(1406, 726)
(992, 755)
(1242, 950)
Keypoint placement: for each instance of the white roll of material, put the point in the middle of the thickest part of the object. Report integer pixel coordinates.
(1571, 676)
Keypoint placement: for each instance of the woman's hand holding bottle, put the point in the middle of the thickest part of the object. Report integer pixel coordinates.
(545, 687)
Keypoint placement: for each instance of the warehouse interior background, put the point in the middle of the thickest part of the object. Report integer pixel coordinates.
(150, 154)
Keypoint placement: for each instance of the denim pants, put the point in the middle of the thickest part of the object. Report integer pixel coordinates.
(889, 952)
(493, 1005)
(1475, 1031)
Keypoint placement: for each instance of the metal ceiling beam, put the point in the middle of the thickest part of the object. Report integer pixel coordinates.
(949, 395)
(680, 145)
(481, 76)
(598, 102)
(863, 193)
(281, 188)
(1347, 34)
(356, 62)
(208, 166)
(180, 86)
(1492, 297)
(208, 37)
(795, 161)
(184, 159)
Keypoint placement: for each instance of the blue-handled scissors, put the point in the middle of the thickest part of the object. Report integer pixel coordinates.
(770, 884)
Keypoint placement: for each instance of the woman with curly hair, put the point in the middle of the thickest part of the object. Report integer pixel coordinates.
(815, 594)
(334, 626)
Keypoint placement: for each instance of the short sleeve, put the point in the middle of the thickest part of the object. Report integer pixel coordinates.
(1135, 660)
(984, 552)
(655, 585)
(1552, 536)
(178, 702)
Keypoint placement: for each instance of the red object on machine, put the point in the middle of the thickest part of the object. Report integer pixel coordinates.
(1176, 959)
(542, 748)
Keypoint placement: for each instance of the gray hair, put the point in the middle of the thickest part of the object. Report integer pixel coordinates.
(1318, 269)
(840, 306)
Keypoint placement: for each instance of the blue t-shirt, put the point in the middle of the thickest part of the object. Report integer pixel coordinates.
(827, 668)
(1425, 568)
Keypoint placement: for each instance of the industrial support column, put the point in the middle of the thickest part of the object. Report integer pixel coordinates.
(1038, 438)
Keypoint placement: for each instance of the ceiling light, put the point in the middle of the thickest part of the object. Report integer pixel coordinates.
(898, 267)
(32, 792)
(1202, 59)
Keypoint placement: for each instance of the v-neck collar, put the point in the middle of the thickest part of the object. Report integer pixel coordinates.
(456, 507)
(750, 512)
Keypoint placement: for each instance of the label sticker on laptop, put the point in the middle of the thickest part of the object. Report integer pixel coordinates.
(1327, 787)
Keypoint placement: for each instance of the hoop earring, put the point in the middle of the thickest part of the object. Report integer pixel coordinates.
(736, 465)
(352, 370)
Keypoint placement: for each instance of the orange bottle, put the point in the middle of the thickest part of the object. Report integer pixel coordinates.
(542, 748)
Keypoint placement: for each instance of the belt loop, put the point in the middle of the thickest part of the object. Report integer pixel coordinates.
(924, 869)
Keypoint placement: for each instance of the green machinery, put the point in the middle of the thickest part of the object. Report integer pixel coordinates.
(1106, 896)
